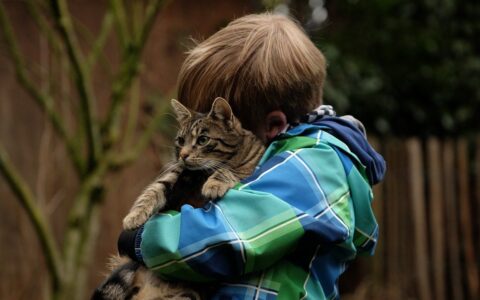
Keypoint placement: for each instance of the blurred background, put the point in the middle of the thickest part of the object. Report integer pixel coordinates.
(84, 126)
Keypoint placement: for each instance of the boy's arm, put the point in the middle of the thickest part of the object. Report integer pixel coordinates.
(256, 223)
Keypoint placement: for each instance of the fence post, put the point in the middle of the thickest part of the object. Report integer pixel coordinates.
(477, 194)
(451, 224)
(391, 219)
(417, 196)
(437, 218)
(378, 262)
(465, 218)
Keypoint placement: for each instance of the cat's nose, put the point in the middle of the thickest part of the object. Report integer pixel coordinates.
(184, 155)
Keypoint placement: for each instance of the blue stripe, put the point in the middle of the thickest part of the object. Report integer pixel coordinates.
(305, 196)
(346, 161)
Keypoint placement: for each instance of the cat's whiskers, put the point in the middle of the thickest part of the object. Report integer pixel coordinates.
(170, 166)
(215, 165)
(208, 166)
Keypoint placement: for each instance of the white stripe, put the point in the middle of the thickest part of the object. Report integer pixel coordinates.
(319, 134)
(324, 196)
(369, 237)
(242, 250)
(230, 242)
(251, 286)
(192, 256)
(278, 227)
(309, 272)
(271, 169)
(257, 293)
(329, 208)
(164, 214)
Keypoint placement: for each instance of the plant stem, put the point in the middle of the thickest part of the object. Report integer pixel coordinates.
(34, 213)
(82, 79)
(129, 69)
(100, 41)
(43, 100)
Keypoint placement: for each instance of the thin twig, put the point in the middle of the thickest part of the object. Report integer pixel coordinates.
(82, 79)
(43, 230)
(79, 218)
(133, 114)
(120, 18)
(34, 9)
(128, 71)
(130, 155)
(43, 100)
(99, 43)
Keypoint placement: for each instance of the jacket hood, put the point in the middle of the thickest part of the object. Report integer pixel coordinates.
(350, 131)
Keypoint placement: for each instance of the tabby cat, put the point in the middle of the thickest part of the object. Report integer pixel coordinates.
(211, 156)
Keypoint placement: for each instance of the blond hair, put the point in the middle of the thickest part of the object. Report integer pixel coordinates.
(259, 63)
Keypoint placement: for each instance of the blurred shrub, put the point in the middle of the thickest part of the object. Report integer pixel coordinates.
(402, 67)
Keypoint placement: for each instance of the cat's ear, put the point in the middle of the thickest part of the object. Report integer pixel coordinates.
(221, 110)
(180, 111)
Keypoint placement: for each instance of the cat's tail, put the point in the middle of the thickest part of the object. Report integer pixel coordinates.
(130, 280)
(120, 283)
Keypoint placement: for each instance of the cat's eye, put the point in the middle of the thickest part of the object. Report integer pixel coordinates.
(180, 141)
(202, 140)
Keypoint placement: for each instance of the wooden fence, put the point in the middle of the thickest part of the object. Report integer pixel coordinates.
(428, 209)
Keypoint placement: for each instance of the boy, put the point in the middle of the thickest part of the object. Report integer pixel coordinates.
(289, 230)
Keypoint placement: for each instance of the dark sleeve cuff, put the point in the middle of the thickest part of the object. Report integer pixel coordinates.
(129, 244)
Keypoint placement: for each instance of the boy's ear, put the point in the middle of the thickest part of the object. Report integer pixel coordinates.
(275, 122)
(180, 111)
(221, 110)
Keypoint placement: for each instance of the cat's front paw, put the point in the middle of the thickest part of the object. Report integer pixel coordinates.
(213, 188)
(134, 219)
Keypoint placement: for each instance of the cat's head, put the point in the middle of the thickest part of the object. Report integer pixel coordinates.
(206, 141)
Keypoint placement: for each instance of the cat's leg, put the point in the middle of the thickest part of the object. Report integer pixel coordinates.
(218, 184)
(152, 199)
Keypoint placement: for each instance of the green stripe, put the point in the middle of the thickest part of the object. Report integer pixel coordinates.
(275, 234)
(180, 271)
(166, 233)
(289, 144)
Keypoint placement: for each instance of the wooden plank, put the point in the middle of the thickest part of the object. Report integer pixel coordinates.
(405, 227)
(417, 198)
(392, 243)
(378, 261)
(466, 220)
(437, 219)
(477, 194)
(451, 224)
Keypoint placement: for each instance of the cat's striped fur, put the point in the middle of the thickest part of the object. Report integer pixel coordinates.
(213, 152)
(215, 143)
(130, 280)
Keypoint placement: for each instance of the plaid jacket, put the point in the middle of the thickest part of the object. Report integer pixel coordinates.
(286, 232)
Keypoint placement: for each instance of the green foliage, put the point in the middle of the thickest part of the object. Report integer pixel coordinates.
(404, 67)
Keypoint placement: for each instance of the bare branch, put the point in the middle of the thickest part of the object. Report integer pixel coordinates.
(133, 113)
(120, 22)
(80, 216)
(27, 200)
(43, 100)
(132, 153)
(150, 16)
(82, 80)
(34, 9)
(128, 71)
(100, 41)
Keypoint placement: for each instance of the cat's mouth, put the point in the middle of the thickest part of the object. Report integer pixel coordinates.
(193, 165)
(195, 168)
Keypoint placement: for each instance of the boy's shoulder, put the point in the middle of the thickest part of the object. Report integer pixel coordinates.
(304, 136)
